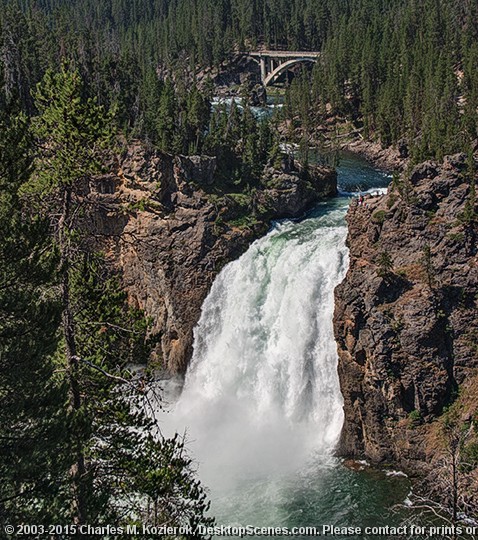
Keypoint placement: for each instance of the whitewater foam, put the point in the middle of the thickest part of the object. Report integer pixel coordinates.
(262, 391)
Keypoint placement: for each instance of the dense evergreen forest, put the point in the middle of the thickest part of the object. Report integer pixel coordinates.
(76, 74)
(399, 69)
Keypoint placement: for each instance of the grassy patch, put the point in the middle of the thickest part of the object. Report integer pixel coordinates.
(379, 216)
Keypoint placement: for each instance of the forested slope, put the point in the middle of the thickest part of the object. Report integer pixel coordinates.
(400, 68)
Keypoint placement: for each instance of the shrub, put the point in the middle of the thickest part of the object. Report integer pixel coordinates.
(415, 417)
(379, 216)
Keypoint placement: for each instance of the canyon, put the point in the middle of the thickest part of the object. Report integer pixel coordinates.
(405, 314)
(169, 232)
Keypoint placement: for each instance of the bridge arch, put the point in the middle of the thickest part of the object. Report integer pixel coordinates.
(274, 63)
(281, 68)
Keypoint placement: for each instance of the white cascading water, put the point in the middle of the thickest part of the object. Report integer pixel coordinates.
(262, 393)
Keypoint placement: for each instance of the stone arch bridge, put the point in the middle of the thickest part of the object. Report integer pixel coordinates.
(275, 63)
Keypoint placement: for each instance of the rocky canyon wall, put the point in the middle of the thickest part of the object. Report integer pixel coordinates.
(406, 318)
(169, 229)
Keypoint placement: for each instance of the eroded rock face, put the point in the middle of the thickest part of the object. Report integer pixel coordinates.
(406, 318)
(170, 238)
(240, 72)
(285, 197)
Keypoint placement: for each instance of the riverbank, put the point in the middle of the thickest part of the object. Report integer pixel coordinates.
(339, 135)
(389, 159)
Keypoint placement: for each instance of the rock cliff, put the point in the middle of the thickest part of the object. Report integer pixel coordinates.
(406, 318)
(170, 230)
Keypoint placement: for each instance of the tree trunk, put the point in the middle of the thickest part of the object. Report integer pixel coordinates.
(78, 469)
(455, 488)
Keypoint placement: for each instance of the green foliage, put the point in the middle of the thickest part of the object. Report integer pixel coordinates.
(242, 145)
(109, 332)
(72, 132)
(397, 325)
(460, 434)
(403, 69)
(79, 442)
(397, 70)
(33, 454)
(469, 456)
(402, 184)
(391, 69)
(427, 263)
(415, 417)
(175, 119)
(379, 216)
(391, 200)
(130, 462)
(384, 263)
(470, 213)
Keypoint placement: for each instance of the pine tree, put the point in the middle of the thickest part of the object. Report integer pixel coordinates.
(109, 430)
(73, 134)
(33, 454)
(167, 113)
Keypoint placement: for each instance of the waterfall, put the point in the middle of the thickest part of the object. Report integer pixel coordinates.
(262, 390)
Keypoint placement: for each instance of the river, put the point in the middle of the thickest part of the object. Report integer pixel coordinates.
(261, 404)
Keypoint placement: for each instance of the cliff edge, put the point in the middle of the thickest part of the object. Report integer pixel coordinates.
(169, 226)
(406, 317)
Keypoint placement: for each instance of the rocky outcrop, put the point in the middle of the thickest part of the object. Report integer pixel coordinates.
(406, 318)
(257, 95)
(390, 158)
(284, 196)
(238, 71)
(240, 75)
(237, 77)
(170, 231)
